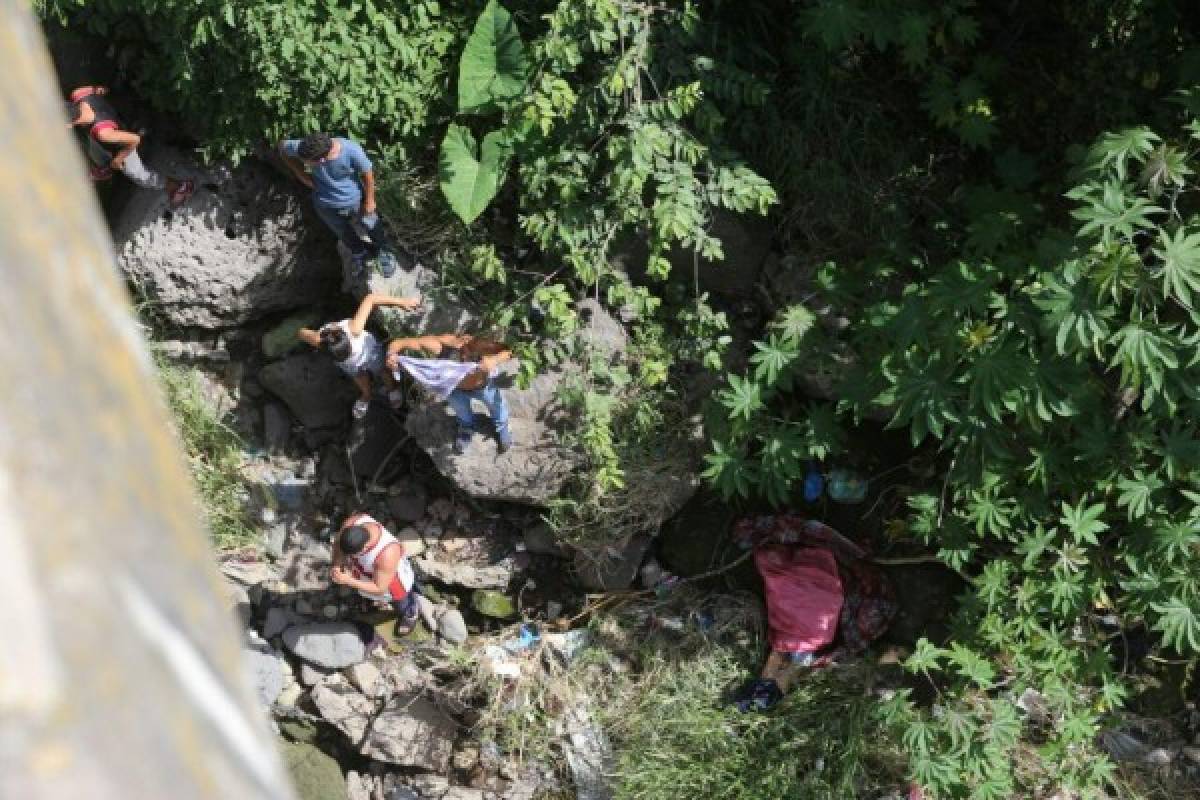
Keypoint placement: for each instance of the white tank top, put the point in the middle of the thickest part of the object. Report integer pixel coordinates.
(364, 349)
(363, 564)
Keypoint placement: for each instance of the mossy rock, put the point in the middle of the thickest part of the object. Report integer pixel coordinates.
(315, 774)
(299, 730)
(493, 604)
(282, 337)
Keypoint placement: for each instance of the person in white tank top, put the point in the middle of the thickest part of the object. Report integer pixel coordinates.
(368, 558)
(357, 352)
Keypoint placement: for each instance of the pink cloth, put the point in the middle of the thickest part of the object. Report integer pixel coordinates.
(804, 596)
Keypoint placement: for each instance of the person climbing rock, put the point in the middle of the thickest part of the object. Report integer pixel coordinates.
(368, 558)
(357, 352)
(343, 183)
(469, 375)
(109, 147)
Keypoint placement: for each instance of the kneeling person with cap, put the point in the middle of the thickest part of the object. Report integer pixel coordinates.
(368, 558)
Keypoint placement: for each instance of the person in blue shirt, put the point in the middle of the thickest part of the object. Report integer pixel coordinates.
(343, 184)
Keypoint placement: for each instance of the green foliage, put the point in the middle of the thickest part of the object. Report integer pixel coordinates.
(1060, 393)
(493, 65)
(470, 175)
(213, 452)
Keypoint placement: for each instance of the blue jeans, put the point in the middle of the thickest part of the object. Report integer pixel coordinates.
(490, 396)
(342, 222)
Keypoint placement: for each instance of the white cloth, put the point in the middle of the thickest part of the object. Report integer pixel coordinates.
(438, 375)
(366, 354)
(363, 564)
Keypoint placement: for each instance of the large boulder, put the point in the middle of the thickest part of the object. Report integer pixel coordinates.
(410, 730)
(312, 387)
(441, 311)
(331, 645)
(266, 670)
(534, 470)
(240, 249)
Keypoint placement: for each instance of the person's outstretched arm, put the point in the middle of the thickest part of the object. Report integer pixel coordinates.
(369, 303)
(309, 336)
(286, 146)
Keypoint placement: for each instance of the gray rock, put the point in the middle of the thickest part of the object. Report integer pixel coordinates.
(365, 677)
(1120, 746)
(311, 676)
(410, 730)
(540, 540)
(407, 500)
(534, 470)
(312, 387)
(332, 645)
(462, 793)
(493, 576)
(265, 667)
(612, 569)
(275, 537)
(403, 793)
(360, 786)
(238, 599)
(452, 627)
(240, 248)
(277, 428)
(279, 619)
(430, 786)
(440, 312)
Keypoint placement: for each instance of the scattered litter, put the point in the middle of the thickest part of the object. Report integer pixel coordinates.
(814, 484)
(496, 662)
(845, 486)
(528, 637)
(567, 645)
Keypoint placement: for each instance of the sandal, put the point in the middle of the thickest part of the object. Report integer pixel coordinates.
(183, 190)
(406, 625)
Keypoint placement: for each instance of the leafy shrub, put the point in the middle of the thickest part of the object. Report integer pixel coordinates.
(213, 452)
(1053, 372)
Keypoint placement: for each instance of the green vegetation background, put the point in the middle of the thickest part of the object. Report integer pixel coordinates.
(999, 197)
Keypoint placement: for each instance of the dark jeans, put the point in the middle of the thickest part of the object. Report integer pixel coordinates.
(346, 223)
(406, 608)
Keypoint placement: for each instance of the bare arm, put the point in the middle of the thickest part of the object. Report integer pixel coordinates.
(128, 141)
(309, 336)
(86, 90)
(368, 182)
(368, 304)
(296, 166)
(427, 344)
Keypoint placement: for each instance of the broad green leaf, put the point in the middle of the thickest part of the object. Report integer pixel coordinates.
(1179, 624)
(493, 65)
(470, 178)
(1180, 256)
(1116, 149)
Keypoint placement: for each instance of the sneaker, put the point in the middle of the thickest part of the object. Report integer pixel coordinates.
(386, 263)
(462, 439)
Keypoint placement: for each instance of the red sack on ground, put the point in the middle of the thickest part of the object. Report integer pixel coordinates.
(804, 596)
